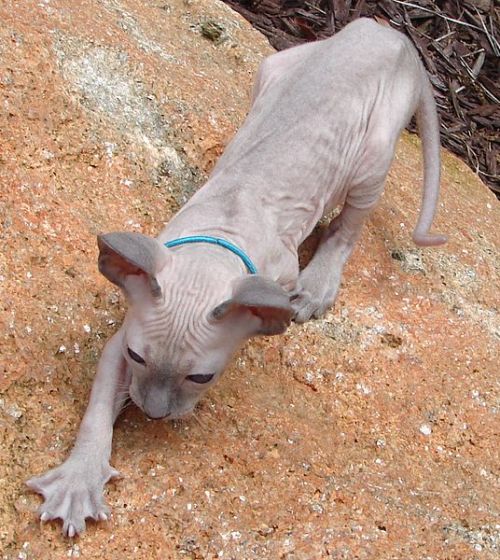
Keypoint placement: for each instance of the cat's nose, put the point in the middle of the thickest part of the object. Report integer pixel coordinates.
(156, 416)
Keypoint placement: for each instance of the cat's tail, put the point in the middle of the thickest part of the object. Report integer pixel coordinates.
(428, 127)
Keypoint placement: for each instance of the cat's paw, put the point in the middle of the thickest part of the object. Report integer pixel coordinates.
(73, 492)
(307, 306)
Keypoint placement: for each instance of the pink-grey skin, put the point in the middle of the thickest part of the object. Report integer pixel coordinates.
(321, 133)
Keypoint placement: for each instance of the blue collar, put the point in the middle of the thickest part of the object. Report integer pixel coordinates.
(215, 241)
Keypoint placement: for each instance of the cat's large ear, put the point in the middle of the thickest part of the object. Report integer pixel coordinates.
(260, 297)
(132, 261)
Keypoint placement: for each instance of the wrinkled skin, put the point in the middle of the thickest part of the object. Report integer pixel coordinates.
(321, 133)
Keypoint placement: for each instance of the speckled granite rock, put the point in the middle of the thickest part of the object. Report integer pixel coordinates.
(370, 434)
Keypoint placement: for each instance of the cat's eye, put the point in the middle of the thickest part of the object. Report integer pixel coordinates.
(201, 377)
(135, 356)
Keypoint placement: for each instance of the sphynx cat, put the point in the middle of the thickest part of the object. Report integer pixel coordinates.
(321, 133)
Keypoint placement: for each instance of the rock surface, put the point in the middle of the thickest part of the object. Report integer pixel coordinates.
(372, 433)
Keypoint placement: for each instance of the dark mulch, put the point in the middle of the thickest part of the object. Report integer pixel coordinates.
(457, 39)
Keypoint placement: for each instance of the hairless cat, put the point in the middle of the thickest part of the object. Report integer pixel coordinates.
(321, 134)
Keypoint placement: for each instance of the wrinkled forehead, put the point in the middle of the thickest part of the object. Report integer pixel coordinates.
(169, 328)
